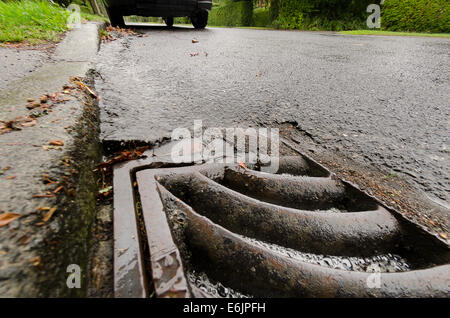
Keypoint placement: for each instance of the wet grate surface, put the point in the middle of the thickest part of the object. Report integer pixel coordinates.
(217, 230)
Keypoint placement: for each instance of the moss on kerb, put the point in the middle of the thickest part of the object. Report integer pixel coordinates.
(77, 213)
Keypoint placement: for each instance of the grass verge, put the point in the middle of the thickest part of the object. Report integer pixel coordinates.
(392, 33)
(35, 21)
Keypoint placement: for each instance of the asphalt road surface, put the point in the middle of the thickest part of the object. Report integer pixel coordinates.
(386, 98)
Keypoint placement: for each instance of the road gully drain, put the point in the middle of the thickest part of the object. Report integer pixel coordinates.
(217, 230)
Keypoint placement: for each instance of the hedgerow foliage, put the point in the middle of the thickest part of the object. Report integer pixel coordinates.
(232, 13)
(319, 14)
(416, 15)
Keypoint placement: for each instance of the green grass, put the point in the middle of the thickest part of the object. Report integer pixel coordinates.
(376, 32)
(93, 17)
(33, 21)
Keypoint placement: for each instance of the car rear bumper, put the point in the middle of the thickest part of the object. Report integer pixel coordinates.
(205, 4)
(160, 8)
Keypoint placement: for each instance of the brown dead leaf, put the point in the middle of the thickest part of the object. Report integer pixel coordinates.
(10, 177)
(8, 217)
(242, 165)
(43, 208)
(43, 196)
(443, 235)
(46, 179)
(24, 239)
(49, 214)
(194, 41)
(29, 123)
(35, 261)
(124, 156)
(56, 143)
(58, 189)
(31, 106)
(82, 85)
(10, 125)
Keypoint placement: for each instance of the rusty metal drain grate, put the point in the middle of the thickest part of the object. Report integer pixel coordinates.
(217, 230)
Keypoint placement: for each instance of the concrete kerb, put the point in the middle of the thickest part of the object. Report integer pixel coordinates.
(35, 252)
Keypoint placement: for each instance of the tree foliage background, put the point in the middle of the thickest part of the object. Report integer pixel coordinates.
(335, 15)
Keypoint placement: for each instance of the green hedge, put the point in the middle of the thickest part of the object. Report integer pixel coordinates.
(416, 15)
(334, 15)
(261, 17)
(232, 13)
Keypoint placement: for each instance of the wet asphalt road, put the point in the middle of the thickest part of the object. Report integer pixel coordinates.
(385, 98)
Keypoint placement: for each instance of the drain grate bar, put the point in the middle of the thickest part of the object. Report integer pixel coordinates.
(129, 278)
(240, 227)
(266, 274)
(324, 233)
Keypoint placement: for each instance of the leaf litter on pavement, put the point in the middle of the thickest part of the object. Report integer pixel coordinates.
(106, 167)
(8, 217)
(113, 33)
(44, 105)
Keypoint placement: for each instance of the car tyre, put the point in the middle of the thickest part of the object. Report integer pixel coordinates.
(168, 21)
(116, 17)
(200, 19)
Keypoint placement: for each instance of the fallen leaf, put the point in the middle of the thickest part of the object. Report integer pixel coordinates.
(124, 156)
(49, 214)
(443, 235)
(24, 239)
(11, 177)
(242, 165)
(105, 190)
(31, 106)
(194, 41)
(10, 125)
(58, 189)
(35, 261)
(47, 180)
(30, 123)
(43, 196)
(56, 143)
(43, 208)
(82, 85)
(8, 217)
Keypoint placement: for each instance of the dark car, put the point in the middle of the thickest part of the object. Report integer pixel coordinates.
(197, 10)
